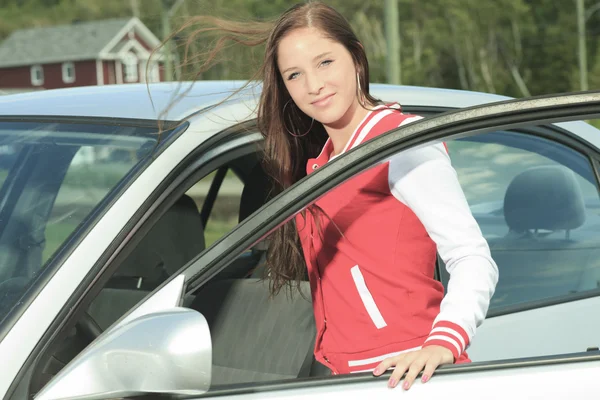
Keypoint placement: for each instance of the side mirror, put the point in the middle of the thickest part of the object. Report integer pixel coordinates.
(166, 351)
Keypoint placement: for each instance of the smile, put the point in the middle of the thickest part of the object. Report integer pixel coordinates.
(323, 101)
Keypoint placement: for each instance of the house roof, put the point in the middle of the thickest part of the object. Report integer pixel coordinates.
(77, 41)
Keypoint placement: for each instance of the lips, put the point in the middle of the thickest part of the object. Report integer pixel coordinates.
(322, 100)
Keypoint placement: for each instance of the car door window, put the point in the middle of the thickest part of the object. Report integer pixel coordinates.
(221, 209)
(537, 204)
(174, 239)
(54, 175)
(8, 156)
(92, 173)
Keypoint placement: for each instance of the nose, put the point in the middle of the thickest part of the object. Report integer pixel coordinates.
(314, 83)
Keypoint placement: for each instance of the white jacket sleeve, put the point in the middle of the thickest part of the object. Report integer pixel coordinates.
(425, 181)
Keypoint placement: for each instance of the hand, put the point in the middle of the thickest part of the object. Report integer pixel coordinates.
(412, 363)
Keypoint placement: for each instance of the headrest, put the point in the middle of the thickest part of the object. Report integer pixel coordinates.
(176, 238)
(546, 197)
(257, 188)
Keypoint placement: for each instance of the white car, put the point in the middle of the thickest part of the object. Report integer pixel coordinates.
(124, 271)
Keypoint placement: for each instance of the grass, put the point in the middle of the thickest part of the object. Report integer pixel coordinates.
(216, 229)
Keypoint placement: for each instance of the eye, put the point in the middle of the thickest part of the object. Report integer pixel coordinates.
(326, 62)
(292, 76)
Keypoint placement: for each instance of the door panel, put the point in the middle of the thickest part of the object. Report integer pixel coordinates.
(561, 381)
(565, 328)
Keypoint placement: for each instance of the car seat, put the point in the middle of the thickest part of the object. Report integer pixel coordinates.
(543, 252)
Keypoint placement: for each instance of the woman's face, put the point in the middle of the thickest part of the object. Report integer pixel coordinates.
(319, 74)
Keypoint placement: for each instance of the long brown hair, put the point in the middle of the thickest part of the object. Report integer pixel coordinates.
(285, 154)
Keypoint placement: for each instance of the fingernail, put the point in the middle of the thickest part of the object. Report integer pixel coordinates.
(376, 371)
(424, 379)
(406, 385)
(392, 383)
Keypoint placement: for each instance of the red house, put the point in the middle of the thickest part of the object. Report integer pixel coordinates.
(103, 52)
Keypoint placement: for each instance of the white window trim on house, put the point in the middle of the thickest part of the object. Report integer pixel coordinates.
(150, 71)
(137, 27)
(35, 80)
(154, 71)
(99, 72)
(130, 53)
(68, 78)
(131, 64)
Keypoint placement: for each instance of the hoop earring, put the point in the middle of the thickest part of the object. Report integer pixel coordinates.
(361, 95)
(285, 125)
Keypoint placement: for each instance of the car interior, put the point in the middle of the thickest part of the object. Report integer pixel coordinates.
(273, 327)
(543, 209)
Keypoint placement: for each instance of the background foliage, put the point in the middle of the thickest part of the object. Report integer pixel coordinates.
(511, 47)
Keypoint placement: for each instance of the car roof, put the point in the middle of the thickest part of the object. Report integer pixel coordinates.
(142, 101)
(156, 100)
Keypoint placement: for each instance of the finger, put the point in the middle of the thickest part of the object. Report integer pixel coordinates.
(415, 367)
(430, 368)
(401, 367)
(386, 364)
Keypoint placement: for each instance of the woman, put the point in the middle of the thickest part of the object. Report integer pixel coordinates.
(370, 245)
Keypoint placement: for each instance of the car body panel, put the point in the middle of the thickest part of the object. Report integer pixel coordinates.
(542, 327)
(141, 101)
(177, 101)
(560, 381)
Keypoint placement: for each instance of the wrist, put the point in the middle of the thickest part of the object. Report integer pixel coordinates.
(450, 336)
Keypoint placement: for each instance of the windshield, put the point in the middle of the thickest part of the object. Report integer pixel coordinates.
(54, 177)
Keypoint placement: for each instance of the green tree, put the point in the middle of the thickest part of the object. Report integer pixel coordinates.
(512, 47)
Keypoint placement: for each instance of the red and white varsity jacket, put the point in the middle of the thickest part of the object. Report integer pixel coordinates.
(371, 258)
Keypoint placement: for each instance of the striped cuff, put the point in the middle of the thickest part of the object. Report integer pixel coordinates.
(449, 335)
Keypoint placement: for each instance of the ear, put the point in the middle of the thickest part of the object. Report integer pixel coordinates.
(356, 65)
(358, 70)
